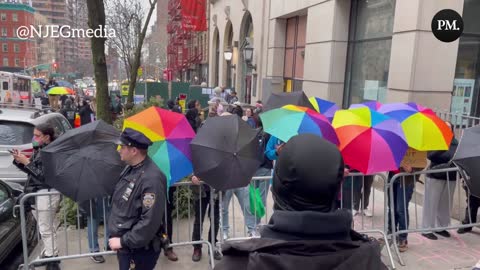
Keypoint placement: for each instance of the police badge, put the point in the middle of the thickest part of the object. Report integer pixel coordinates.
(148, 200)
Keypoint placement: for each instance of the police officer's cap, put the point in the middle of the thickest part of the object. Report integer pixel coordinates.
(133, 138)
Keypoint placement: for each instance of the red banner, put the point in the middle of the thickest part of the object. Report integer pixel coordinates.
(194, 15)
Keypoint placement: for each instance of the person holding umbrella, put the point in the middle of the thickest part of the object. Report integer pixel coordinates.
(138, 205)
(46, 206)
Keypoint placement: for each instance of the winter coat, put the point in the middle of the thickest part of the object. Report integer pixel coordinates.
(304, 240)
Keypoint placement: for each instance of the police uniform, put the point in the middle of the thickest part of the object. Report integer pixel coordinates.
(138, 206)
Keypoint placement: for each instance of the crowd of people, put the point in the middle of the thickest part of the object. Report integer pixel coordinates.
(317, 193)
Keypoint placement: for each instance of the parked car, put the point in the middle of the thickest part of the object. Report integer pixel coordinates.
(16, 132)
(10, 230)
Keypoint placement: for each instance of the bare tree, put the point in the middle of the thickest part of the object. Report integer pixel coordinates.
(128, 19)
(96, 17)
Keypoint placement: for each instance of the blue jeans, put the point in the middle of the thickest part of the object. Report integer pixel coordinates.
(242, 195)
(94, 220)
(402, 217)
(263, 185)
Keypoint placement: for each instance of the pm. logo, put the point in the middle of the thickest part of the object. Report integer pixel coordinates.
(447, 25)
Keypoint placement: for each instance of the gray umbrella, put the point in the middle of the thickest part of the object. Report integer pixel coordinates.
(467, 158)
(278, 100)
(226, 152)
(83, 163)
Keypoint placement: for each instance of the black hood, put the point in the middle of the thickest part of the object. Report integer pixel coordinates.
(308, 175)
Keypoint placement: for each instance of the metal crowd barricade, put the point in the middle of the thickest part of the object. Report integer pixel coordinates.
(359, 191)
(459, 121)
(228, 210)
(179, 224)
(416, 227)
(68, 250)
(27, 262)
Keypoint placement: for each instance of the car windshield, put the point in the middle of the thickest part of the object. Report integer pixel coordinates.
(15, 133)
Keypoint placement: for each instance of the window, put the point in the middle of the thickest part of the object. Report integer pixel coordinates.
(294, 53)
(369, 46)
(17, 62)
(3, 17)
(466, 85)
(5, 61)
(4, 47)
(57, 126)
(16, 48)
(5, 86)
(65, 124)
(4, 32)
(15, 17)
(15, 133)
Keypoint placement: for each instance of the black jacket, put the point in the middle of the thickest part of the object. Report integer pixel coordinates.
(34, 170)
(441, 160)
(137, 217)
(304, 240)
(69, 113)
(85, 115)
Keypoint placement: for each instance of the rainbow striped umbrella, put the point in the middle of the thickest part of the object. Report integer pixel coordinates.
(423, 129)
(373, 105)
(171, 135)
(370, 142)
(60, 90)
(325, 107)
(291, 120)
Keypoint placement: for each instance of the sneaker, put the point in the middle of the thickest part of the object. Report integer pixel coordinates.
(367, 212)
(217, 255)
(98, 259)
(354, 212)
(443, 233)
(225, 235)
(197, 254)
(253, 234)
(430, 236)
(403, 245)
(171, 255)
(464, 230)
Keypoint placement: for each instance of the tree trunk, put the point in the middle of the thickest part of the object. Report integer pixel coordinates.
(137, 55)
(96, 17)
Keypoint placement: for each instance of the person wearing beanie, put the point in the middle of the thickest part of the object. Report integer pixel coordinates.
(307, 229)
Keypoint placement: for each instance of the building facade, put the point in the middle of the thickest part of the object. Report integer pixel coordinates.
(187, 49)
(60, 13)
(45, 49)
(16, 54)
(349, 51)
(234, 26)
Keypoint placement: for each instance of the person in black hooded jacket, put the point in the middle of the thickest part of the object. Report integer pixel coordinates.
(307, 230)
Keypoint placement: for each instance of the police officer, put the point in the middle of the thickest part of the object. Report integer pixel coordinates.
(138, 206)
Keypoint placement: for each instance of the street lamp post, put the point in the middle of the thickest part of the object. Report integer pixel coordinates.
(248, 56)
(228, 54)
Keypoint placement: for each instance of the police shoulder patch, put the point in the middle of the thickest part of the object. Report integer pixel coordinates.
(148, 200)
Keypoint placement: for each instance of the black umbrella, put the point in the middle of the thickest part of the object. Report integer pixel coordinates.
(278, 100)
(226, 152)
(467, 158)
(83, 163)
